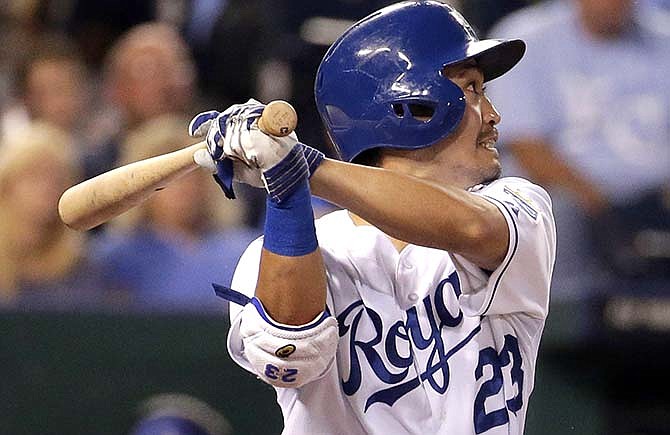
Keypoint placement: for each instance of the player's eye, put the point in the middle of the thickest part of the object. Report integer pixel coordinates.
(475, 87)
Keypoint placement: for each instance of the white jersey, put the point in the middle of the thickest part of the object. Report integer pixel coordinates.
(429, 343)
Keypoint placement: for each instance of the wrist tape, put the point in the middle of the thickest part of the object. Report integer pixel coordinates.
(289, 224)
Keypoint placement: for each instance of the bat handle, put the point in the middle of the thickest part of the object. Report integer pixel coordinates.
(95, 201)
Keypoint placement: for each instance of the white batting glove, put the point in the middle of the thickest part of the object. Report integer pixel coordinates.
(234, 136)
(244, 140)
(241, 172)
(234, 133)
(213, 124)
(225, 170)
(282, 160)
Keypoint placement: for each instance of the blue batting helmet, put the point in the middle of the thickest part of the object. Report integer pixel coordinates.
(381, 84)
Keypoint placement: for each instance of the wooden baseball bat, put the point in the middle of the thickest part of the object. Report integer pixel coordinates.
(95, 201)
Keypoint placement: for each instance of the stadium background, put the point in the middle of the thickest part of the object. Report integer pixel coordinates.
(72, 368)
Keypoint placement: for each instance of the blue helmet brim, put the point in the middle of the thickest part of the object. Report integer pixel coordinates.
(494, 56)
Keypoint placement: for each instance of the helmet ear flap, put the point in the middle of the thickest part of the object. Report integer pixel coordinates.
(419, 111)
(431, 115)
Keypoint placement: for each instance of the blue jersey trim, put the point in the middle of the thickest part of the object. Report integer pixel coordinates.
(261, 310)
(509, 260)
(241, 299)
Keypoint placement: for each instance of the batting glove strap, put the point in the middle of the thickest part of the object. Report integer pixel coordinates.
(313, 156)
(282, 179)
(224, 177)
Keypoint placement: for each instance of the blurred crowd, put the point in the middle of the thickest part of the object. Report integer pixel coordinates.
(88, 86)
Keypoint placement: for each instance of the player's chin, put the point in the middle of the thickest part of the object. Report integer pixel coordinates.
(491, 172)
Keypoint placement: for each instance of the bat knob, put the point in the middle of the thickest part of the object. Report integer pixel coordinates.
(279, 119)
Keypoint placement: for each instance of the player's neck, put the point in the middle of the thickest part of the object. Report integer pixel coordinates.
(359, 221)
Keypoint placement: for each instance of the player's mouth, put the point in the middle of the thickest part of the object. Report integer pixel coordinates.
(489, 141)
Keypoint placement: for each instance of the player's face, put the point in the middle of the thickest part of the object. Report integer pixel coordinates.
(467, 156)
(469, 152)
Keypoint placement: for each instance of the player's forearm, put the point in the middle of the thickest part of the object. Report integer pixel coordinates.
(416, 211)
(292, 289)
(292, 278)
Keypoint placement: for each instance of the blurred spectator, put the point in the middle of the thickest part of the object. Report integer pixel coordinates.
(42, 262)
(149, 73)
(95, 25)
(16, 41)
(661, 3)
(179, 414)
(229, 39)
(482, 14)
(587, 114)
(166, 253)
(51, 86)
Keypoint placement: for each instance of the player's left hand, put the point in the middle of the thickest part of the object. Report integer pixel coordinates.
(213, 125)
(246, 141)
(241, 173)
(235, 134)
(225, 170)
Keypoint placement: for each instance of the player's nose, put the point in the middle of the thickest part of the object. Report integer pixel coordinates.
(489, 113)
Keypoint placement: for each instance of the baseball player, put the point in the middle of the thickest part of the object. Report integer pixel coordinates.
(417, 308)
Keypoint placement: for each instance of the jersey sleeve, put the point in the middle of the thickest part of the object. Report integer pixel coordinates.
(521, 283)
